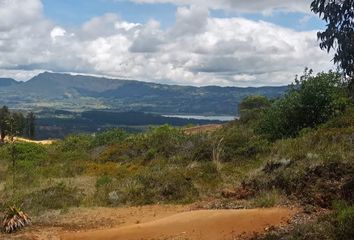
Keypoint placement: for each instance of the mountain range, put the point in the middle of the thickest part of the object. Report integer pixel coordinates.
(82, 93)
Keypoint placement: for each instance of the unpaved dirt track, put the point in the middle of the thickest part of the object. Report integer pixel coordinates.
(52, 224)
(194, 225)
(43, 142)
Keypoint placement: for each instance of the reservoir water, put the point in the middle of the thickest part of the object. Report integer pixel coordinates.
(199, 117)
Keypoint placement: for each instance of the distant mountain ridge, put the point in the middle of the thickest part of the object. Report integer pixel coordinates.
(6, 82)
(79, 93)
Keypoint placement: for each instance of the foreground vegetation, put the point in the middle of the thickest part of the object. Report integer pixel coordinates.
(297, 150)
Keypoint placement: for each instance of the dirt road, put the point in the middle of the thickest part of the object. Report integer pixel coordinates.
(158, 222)
(194, 225)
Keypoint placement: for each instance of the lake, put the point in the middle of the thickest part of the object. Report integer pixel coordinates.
(199, 117)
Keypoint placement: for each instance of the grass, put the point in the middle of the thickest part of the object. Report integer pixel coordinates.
(337, 225)
(164, 165)
(266, 199)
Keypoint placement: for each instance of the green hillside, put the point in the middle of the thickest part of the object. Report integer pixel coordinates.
(78, 93)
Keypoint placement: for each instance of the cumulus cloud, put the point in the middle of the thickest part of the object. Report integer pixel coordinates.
(197, 50)
(57, 32)
(147, 38)
(16, 13)
(190, 21)
(266, 7)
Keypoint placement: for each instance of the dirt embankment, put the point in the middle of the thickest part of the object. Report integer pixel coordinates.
(194, 225)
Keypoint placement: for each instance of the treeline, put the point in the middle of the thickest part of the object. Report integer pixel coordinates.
(14, 123)
(138, 119)
(53, 126)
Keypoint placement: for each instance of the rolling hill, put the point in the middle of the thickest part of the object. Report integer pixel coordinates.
(80, 93)
(6, 82)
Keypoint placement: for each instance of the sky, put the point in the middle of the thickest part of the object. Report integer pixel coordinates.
(184, 42)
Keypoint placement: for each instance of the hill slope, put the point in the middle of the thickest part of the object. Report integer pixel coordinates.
(6, 82)
(64, 91)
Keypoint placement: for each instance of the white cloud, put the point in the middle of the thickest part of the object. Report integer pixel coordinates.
(197, 50)
(21, 75)
(57, 32)
(15, 13)
(190, 21)
(264, 6)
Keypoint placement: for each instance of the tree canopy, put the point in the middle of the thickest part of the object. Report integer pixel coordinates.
(252, 106)
(15, 124)
(339, 34)
(311, 100)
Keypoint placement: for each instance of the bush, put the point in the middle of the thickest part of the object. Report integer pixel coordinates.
(27, 152)
(308, 103)
(147, 186)
(266, 199)
(344, 220)
(55, 197)
(27, 158)
(80, 142)
(165, 140)
(252, 107)
(338, 225)
(109, 137)
(239, 143)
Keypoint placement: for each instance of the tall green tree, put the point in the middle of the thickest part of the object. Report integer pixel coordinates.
(19, 123)
(30, 125)
(4, 122)
(11, 123)
(339, 34)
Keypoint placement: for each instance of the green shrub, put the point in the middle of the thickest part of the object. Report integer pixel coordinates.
(343, 121)
(109, 137)
(252, 107)
(337, 225)
(239, 142)
(266, 199)
(58, 196)
(165, 140)
(198, 147)
(147, 186)
(308, 103)
(74, 143)
(344, 220)
(104, 180)
(28, 152)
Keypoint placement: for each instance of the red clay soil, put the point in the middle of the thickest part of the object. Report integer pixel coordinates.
(194, 225)
(202, 129)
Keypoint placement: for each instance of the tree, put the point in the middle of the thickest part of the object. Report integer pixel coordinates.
(19, 122)
(30, 125)
(339, 35)
(312, 100)
(251, 107)
(4, 122)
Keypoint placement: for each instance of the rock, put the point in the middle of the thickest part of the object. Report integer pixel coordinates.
(273, 165)
(113, 197)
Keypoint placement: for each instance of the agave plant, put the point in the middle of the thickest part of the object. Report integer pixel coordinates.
(14, 220)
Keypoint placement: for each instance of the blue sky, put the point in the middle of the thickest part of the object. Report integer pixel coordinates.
(185, 42)
(73, 13)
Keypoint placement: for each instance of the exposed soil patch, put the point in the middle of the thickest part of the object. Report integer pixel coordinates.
(193, 225)
(152, 222)
(202, 129)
